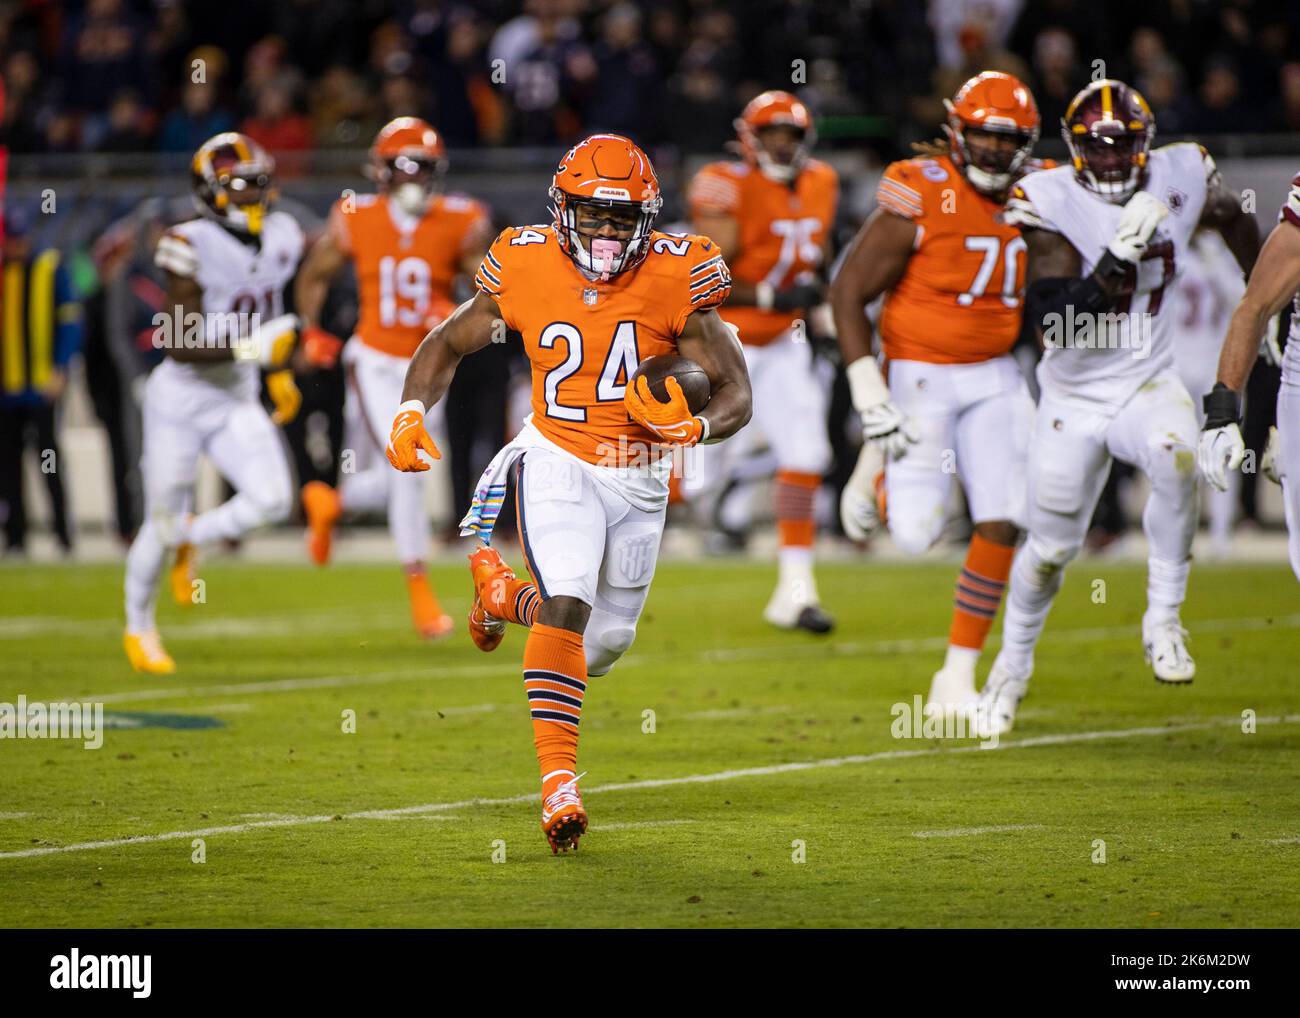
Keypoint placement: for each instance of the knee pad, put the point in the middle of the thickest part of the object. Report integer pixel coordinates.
(914, 536)
(273, 504)
(1171, 462)
(606, 642)
(1048, 558)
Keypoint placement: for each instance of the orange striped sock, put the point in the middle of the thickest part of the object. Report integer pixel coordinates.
(514, 600)
(979, 591)
(555, 678)
(795, 492)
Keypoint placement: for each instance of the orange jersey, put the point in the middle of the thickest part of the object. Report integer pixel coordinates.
(405, 266)
(783, 231)
(586, 338)
(959, 299)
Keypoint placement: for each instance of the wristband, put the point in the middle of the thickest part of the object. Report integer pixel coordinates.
(763, 295)
(867, 386)
(1222, 407)
(411, 404)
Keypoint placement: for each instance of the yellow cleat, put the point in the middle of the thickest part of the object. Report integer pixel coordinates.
(183, 575)
(146, 654)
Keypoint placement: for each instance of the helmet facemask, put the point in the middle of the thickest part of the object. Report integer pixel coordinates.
(604, 256)
(1109, 164)
(772, 168)
(239, 196)
(411, 181)
(989, 168)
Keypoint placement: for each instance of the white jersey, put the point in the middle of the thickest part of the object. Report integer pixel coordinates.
(235, 276)
(1107, 366)
(1291, 358)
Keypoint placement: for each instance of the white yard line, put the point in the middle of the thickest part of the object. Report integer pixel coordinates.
(638, 825)
(966, 832)
(793, 649)
(1062, 739)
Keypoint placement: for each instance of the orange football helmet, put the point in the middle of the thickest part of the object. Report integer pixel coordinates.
(999, 104)
(606, 171)
(408, 161)
(775, 109)
(224, 172)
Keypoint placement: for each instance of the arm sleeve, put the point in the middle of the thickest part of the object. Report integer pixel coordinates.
(1291, 208)
(708, 284)
(898, 194)
(492, 278)
(714, 193)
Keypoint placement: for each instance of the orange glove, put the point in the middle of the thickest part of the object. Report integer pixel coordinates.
(671, 421)
(321, 348)
(409, 437)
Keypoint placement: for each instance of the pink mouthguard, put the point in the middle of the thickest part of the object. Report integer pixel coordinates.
(603, 253)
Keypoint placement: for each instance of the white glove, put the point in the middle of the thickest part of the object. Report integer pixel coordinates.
(1220, 450)
(859, 513)
(1270, 463)
(883, 424)
(271, 343)
(1138, 222)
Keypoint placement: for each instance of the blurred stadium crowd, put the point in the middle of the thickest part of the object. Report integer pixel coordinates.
(510, 83)
(304, 75)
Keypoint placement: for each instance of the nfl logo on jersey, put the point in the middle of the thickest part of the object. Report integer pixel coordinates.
(589, 296)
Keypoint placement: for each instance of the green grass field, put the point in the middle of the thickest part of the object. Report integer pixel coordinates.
(694, 824)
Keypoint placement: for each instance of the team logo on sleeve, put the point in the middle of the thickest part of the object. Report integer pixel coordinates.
(1175, 199)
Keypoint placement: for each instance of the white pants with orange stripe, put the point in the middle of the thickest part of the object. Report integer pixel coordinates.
(973, 423)
(791, 393)
(582, 538)
(367, 481)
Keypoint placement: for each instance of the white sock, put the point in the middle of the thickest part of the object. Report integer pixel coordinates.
(795, 574)
(1166, 590)
(1034, 583)
(961, 659)
(143, 566)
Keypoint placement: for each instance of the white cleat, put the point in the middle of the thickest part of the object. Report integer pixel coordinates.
(1166, 652)
(787, 611)
(952, 690)
(995, 711)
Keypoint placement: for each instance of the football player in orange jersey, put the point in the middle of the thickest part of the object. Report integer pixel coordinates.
(953, 277)
(593, 294)
(408, 243)
(771, 214)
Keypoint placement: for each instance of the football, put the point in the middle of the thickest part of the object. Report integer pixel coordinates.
(690, 376)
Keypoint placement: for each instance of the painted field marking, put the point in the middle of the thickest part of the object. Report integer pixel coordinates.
(966, 832)
(1062, 739)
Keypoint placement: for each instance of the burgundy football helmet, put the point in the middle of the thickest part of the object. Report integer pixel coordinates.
(1108, 129)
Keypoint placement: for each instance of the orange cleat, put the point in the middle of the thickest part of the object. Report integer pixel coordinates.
(564, 820)
(182, 575)
(431, 622)
(322, 506)
(146, 654)
(487, 631)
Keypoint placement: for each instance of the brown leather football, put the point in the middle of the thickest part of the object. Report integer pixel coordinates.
(690, 376)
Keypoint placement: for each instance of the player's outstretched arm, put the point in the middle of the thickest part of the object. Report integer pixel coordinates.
(470, 327)
(710, 343)
(1274, 281)
(875, 261)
